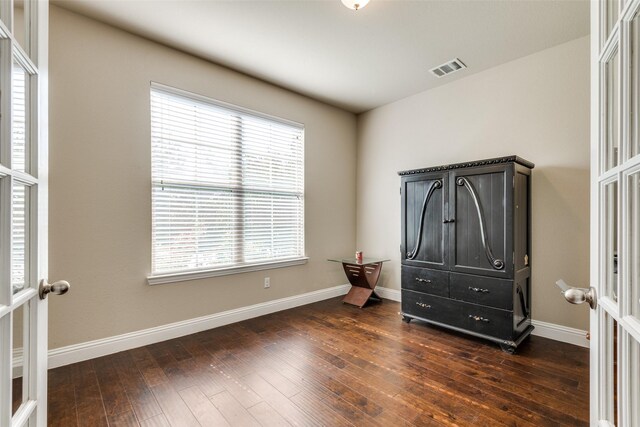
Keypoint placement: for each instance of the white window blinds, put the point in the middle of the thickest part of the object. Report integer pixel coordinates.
(228, 185)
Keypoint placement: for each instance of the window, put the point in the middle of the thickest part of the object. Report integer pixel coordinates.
(227, 188)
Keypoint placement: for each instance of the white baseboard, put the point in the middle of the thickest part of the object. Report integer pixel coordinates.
(542, 329)
(387, 293)
(91, 349)
(560, 333)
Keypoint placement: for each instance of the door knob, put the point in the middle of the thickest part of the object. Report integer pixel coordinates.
(60, 287)
(578, 295)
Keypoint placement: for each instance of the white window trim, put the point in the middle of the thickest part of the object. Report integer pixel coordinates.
(160, 279)
(181, 276)
(198, 97)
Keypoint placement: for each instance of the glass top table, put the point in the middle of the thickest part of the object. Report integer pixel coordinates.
(365, 261)
(363, 277)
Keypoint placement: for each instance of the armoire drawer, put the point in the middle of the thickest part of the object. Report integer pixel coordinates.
(426, 306)
(488, 291)
(486, 320)
(433, 282)
(476, 318)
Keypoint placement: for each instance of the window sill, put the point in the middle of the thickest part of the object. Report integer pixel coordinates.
(160, 279)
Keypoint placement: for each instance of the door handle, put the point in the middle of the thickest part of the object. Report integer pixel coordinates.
(60, 287)
(578, 295)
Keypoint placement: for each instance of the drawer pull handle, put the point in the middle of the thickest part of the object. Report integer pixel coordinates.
(418, 279)
(486, 291)
(423, 305)
(478, 318)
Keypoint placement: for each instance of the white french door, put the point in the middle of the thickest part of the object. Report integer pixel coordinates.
(23, 211)
(615, 212)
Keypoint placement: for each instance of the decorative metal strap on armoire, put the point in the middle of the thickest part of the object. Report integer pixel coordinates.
(496, 263)
(436, 184)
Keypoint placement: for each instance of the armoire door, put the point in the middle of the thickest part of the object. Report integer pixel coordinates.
(481, 222)
(424, 232)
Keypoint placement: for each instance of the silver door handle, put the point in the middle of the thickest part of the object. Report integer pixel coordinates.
(60, 287)
(578, 295)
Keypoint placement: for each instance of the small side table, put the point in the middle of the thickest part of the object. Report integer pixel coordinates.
(363, 277)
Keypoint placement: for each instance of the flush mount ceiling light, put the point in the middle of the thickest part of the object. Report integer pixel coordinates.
(355, 4)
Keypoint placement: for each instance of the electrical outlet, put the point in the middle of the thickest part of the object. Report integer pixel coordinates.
(267, 282)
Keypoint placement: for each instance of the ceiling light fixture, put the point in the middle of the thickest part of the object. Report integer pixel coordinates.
(355, 4)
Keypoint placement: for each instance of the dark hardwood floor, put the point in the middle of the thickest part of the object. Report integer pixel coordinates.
(326, 364)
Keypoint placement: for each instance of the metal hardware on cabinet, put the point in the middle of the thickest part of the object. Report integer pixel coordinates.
(478, 318)
(486, 291)
(497, 264)
(579, 295)
(436, 184)
(423, 305)
(60, 287)
(418, 279)
(447, 221)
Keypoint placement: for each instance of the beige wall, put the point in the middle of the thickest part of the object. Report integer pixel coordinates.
(100, 199)
(536, 107)
(100, 207)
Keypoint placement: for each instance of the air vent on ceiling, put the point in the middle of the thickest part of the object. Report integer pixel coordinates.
(448, 68)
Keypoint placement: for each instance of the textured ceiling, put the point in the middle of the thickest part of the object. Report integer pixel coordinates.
(354, 60)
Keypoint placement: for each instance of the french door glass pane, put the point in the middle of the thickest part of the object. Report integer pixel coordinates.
(18, 118)
(634, 242)
(612, 111)
(610, 243)
(18, 237)
(20, 337)
(635, 86)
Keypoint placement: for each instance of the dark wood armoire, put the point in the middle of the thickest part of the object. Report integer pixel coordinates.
(466, 248)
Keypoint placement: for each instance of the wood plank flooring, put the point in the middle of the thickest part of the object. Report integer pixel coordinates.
(326, 364)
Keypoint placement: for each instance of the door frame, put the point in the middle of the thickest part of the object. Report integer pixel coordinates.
(41, 336)
(31, 52)
(605, 381)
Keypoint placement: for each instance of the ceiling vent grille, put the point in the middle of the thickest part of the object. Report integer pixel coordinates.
(448, 68)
